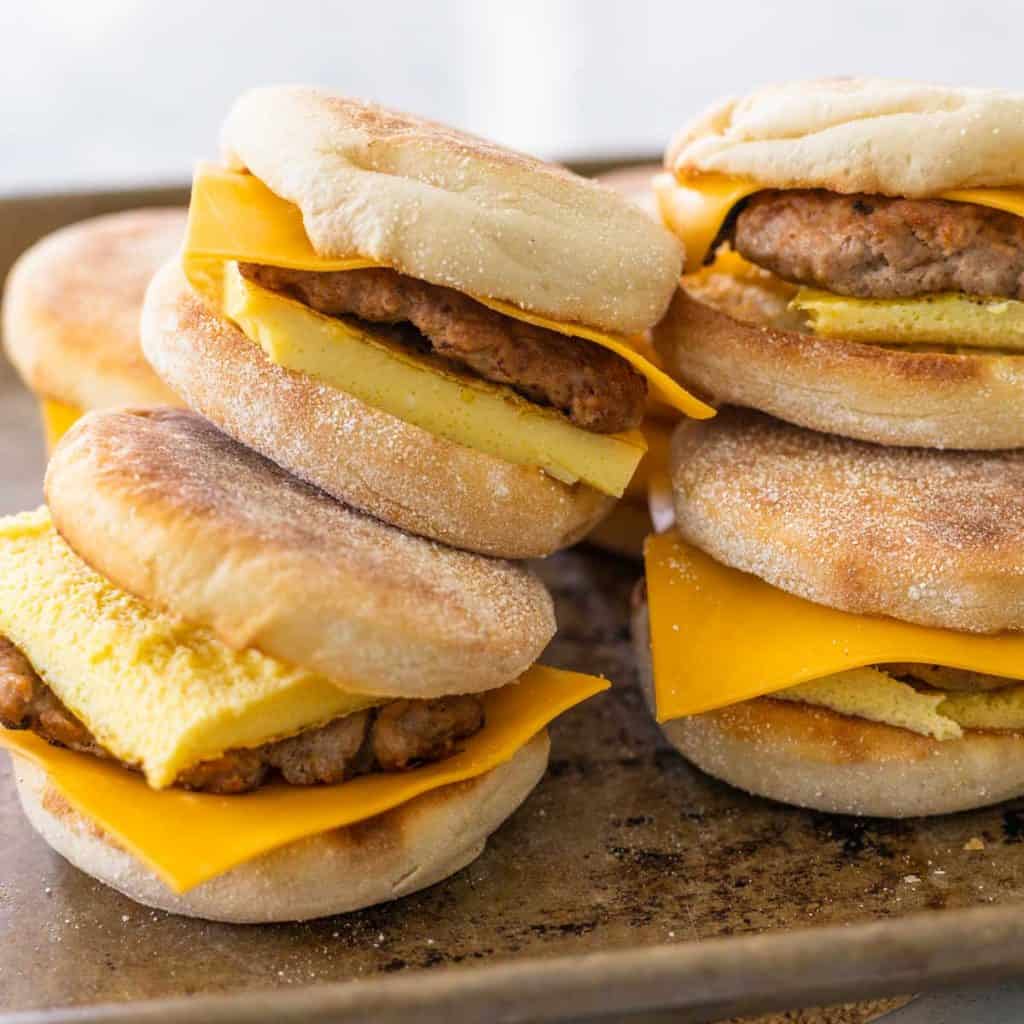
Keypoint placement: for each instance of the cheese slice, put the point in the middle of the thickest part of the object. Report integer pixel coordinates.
(1009, 200)
(729, 265)
(58, 419)
(696, 206)
(720, 636)
(188, 838)
(234, 216)
(656, 408)
(662, 388)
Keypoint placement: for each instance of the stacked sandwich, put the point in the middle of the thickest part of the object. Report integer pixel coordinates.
(835, 621)
(250, 625)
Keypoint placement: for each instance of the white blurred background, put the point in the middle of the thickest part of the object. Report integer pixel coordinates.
(108, 92)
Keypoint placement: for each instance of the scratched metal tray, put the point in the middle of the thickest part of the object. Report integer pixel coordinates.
(629, 885)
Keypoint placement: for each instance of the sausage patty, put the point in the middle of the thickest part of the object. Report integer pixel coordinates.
(390, 738)
(874, 247)
(598, 390)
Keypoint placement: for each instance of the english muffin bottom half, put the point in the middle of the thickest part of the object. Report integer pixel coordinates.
(837, 625)
(433, 329)
(71, 311)
(867, 239)
(230, 696)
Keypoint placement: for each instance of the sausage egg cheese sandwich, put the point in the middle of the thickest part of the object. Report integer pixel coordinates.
(71, 314)
(838, 625)
(211, 671)
(890, 218)
(426, 326)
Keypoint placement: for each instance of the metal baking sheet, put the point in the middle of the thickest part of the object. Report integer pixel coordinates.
(629, 884)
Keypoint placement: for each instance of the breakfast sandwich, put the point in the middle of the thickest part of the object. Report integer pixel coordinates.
(430, 328)
(230, 696)
(836, 624)
(71, 314)
(869, 235)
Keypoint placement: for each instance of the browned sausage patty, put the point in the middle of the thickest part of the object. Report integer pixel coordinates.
(874, 247)
(390, 738)
(598, 390)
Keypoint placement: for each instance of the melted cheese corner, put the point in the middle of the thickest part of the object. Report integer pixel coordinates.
(154, 691)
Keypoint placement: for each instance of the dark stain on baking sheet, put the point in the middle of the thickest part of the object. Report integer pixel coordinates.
(623, 845)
